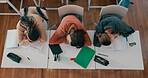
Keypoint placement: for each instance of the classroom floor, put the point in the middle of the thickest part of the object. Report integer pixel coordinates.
(137, 18)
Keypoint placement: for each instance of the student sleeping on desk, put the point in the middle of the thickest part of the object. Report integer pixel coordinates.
(31, 22)
(71, 31)
(109, 27)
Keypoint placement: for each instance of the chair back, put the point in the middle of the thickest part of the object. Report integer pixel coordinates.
(114, 9)
(70, 9)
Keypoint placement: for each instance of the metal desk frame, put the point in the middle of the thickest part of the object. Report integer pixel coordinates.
(9, 3)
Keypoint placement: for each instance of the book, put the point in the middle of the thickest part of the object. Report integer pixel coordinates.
(84, 57)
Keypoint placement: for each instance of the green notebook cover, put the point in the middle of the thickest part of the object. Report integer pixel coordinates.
(84, 57)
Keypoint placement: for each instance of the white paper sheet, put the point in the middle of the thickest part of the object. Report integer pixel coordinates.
(118, 44)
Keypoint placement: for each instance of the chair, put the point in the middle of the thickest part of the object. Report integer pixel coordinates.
(11, 5)
(114, 9)
(70, 9)
(74, 9)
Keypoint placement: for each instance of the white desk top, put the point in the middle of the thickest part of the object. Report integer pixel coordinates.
(127, 59)
(37, 59)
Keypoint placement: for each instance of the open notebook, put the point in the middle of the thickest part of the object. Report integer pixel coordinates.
(119, 43)
(12, 42)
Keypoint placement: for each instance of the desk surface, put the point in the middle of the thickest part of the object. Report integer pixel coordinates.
(69, 52)
(37, 59)
(127, 59)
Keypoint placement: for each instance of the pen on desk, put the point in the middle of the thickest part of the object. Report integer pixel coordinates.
(28, 58)
(126, 39)
(72, 59)
(102, 54)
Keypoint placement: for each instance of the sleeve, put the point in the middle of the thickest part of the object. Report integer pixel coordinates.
(126, 30)
(20, 33)
(43, 36)
(96, 41)
(99, 29)
(55, 37)
(122, 27)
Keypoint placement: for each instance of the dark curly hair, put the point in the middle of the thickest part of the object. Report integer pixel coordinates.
(77, 38)
(33, 32)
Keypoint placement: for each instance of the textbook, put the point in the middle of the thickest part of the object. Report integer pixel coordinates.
(84, 57)
(119, 44)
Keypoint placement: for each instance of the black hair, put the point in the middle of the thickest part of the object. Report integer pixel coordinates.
(33, 32)
(77, 38)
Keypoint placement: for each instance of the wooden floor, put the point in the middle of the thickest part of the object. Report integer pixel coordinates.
(137, 18)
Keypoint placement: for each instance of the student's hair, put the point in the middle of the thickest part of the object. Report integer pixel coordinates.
(77, 38)
(104, 39)
(33, 32)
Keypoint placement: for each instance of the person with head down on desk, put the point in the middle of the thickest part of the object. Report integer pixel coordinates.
(72, 32)
(109, 27)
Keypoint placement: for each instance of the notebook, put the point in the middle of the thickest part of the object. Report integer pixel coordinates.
(84, 57)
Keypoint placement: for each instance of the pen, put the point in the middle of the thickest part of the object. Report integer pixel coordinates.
(28, 58)
(102, 54)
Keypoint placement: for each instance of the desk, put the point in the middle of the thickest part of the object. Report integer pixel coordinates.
(130, 59)
(37, 59)
(70, 52)
(127, 59)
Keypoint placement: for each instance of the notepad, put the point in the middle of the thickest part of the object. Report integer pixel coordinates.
(84, 57)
